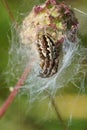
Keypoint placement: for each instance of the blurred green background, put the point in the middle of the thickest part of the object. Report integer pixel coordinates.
(21, 115)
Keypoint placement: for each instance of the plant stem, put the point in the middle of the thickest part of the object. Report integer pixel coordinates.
(57, 111)
(5, 3)
(14, 92)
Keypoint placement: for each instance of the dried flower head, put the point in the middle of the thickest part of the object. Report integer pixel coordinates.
(47, 26)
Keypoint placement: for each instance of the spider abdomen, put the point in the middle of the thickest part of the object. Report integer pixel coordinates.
(49, 55)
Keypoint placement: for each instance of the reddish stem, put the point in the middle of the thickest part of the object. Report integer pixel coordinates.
(13, 93)
(24, 74)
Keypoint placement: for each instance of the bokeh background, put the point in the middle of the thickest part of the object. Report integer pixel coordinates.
(39, 115)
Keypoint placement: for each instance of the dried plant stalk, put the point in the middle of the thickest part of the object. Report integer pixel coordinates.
(59, 117)
(5, 3)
